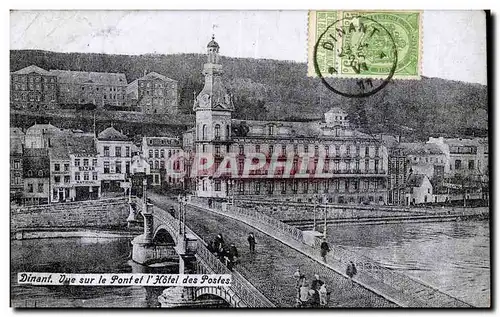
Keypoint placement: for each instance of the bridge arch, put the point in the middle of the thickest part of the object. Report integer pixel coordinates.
(217, 292)
(163, 236)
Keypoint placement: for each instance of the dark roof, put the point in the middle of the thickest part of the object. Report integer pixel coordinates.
(111, 134)
(213, 43)
(78, 77)
(420, 148)
(36, 166)
(83, 145)
(415, 180)
(16, 146)
(32, 69)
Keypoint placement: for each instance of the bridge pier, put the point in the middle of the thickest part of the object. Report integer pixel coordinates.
(144, 250)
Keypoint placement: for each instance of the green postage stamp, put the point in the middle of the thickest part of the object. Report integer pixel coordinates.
(365, 44)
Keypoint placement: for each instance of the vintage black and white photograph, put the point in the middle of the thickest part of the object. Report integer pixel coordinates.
(249, 159)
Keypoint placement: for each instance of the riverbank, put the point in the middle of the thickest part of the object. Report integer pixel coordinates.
(308, 223)
(83, 232)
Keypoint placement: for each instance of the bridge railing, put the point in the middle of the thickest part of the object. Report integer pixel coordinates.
(396, 280)
(282, 227)
(249, 295)
(239, 285)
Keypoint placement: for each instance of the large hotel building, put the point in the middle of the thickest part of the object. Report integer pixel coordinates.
(342, 166)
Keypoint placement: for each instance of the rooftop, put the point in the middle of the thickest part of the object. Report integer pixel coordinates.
(79, 77)
(111, 134)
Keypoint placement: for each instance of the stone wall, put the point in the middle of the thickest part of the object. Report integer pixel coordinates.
(104, 213)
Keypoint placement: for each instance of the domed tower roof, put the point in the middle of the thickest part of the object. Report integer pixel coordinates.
(213, 43)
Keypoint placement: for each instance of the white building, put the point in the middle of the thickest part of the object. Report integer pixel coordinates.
(114, 159)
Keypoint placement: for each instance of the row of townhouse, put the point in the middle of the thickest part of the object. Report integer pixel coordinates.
(49, 164)
(33, 88)
(439, 170)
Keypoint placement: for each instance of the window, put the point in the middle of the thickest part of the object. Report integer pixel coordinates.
(217, 185)
(316, 150)
(306, 148)
(346, 185)
(66, 167)
(94, 176)
(458, 164)
(66, 179)
(327, 150)
(337, 150)
(367, 151)
(57, 179)
(106, 167)
(127, 167)
(367, 165)
(241, 149)
(106, 151)
(157, 153)
(118, 151)
(376, 166)
(204, 132)
(283, 187)
(217, 149)
(150, 154)
(118, 167)
(85, 162)
(283, 149)
(348, 150)
(271, 149)
(30, 188)
(357, 166)
(40, 173)
(85, 176)
(471, 164)
(162, 153)
(94, 162)
(270, 129)
(127, 151)
(217, 131)
(57, 167)
(377, 151)
(77, 162)
(162, 164)
(257, 148)
(77, 176)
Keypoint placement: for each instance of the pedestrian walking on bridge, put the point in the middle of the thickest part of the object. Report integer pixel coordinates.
(325, 248)
(251, 242)
(351, 270)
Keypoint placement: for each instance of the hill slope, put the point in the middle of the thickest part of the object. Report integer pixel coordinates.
(279, 90)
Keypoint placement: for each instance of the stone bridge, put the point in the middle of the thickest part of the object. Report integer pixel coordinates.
(266, 278)
(168, 238)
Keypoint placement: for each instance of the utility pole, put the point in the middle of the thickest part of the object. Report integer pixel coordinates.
(325, 227)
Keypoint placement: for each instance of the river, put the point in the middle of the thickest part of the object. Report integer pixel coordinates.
(87, 254)
(453, 257)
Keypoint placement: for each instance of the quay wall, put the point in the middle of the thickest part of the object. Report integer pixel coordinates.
(103, 213)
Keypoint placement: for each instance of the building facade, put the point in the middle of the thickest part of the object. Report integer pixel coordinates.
(113, 159)
(154, 94)
(36, 174)
(301, 160)
(83, 88)
(33, 88)
(161, 153)
(16, 163)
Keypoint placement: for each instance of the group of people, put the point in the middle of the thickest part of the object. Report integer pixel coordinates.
(313, 295)
(226, 254)
(229, 255)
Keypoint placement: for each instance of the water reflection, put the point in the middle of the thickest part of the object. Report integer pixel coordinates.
(451, 256)
(80, 255)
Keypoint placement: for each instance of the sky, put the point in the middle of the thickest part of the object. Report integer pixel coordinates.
(454, 42)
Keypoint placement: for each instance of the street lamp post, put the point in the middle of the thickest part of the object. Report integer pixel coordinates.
(325, 227)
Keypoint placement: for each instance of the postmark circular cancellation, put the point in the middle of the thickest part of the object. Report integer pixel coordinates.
(356, 54)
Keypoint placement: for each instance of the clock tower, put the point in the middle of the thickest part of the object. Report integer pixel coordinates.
(213, 107)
